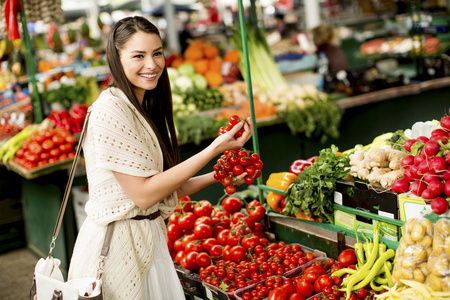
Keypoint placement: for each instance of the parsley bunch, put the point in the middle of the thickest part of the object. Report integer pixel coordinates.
(313, 189)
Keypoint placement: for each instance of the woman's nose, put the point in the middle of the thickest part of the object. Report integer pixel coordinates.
(150, 63)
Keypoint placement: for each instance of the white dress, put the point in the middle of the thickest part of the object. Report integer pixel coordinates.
(161, 281)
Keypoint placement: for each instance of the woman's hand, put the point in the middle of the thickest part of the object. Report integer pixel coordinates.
(227, 140)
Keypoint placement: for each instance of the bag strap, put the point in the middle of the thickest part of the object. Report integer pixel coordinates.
(110, 229)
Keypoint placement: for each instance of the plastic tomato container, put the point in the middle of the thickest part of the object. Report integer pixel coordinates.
(238, 294)
(290, 274)
(214, 293)
(318, 254)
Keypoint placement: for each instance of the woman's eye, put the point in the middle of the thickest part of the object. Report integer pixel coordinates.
(139, 56)
(158, 53)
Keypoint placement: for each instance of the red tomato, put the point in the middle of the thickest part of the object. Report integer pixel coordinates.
(48, 145)
(347, 258)
(208, 243)
(70, 139)
(305, 288)
(325, 281)
(203, 208)
(173, 218)
(311, 276)
(216, 250)
(184, 204)
(191, 263)
(290, 288)
(296, 296)
(361, 294)
(256, 213)
(230, 190)
(187, 221)
(193, 246)
(238, 253)
(277, 294)
(222, 237)
(202, 231)
(250, 242)
(231, 204)
(65, 148)
(173, 232)
(203, 260)
(58, 139)
(204, 220)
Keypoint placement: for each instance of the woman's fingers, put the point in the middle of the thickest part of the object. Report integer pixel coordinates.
(238, 180)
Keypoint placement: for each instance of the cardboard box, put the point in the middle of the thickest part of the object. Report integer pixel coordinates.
(358, 195)
(412, 206)
(350, 221)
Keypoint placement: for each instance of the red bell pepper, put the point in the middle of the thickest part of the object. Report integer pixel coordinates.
(10, 9)
(298, 165)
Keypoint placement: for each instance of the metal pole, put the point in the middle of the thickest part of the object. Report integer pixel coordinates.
(250, 89)
(35, 98)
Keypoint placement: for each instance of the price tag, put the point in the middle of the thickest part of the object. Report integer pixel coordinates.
(337, 198)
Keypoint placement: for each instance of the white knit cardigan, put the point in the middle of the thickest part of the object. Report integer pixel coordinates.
(118, 139)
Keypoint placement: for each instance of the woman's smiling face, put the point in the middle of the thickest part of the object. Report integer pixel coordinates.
(143, 62)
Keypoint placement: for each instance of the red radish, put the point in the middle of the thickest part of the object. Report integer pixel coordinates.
(431, 148)
(446, 174)
(447, 188)
(408, 160)
(407, 174)
(408, 143)
(427, 194)
(417, 187)
(436, 187)
(400, 185)
(445, 123)
(419, 158)
(429, 176)
(414, 171)
(423, 167)
(437, 164)
(447, 158)
(438, 138)
(422, 139)
(438, 131)
(439, 205)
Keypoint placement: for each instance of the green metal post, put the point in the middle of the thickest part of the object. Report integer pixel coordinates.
(250, 89)
(35, 99)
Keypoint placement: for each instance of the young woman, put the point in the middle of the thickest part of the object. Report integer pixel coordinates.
(133, 170)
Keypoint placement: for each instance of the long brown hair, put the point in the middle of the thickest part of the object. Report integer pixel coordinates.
(157, 104)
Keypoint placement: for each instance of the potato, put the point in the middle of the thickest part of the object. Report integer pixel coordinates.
(406, 238)
(428, 226)
(418, 232)
(447, 246)
(426, 242)
(442, 227)
(438, 244)
(420, 254)
(419, 276)
(423, 267)
(435, 282)
(409, 225)
(441, 266)
(409, 263)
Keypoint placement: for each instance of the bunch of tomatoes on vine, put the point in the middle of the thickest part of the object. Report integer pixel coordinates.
(233, 163)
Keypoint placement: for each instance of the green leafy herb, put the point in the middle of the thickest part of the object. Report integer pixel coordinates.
(313, 189)
(320, 119)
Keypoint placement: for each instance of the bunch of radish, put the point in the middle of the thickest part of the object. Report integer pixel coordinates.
(427, 168)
